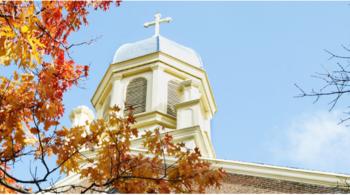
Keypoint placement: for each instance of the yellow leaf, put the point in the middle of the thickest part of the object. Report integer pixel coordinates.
(24, 29)
(30, 141)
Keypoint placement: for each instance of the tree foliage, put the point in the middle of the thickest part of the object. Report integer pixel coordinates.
(34, 42)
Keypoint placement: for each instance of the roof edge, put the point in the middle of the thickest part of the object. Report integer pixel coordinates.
(259, 170)
(283, 173)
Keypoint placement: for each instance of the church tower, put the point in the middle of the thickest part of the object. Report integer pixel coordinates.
(166, 85)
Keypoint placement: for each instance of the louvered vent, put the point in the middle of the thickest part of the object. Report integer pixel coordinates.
(173, 97)
(136, 95)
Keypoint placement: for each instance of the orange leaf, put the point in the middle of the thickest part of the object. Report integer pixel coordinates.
(34, 130)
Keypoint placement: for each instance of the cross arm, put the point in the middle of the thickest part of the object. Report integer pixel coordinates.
(167, 19)
(148, 24)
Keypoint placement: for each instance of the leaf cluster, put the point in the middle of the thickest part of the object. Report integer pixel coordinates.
(34, 40)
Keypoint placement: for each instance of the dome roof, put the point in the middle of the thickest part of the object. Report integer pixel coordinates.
(155, 44)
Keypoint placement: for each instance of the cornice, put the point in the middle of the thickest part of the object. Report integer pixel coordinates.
(187, 103)
(283, 173)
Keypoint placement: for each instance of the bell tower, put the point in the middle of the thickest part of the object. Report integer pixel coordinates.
(167, 86)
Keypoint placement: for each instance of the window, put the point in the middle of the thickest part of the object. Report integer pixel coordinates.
(173, 97)
(136, 95)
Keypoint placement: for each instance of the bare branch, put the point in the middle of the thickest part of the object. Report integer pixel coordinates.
(336, 82)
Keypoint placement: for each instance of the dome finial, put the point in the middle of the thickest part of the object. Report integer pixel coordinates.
(157, 21)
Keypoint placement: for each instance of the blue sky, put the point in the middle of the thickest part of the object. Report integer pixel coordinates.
(253, 53)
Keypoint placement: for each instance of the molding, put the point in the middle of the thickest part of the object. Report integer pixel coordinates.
(283, 173)
(179, 135)
(154, 118)
(187, 103)
(189, 83)
(157, 66)
(117, 76)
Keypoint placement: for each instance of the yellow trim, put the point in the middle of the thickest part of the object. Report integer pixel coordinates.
(283, 173)
(187, 103)
(154, 118)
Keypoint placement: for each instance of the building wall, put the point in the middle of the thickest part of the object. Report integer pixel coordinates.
(236, 183)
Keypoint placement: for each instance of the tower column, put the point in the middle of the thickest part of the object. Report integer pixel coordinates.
(116, 94)
(188, 111)
(158, 91)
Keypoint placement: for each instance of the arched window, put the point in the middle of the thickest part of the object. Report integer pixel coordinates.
(173, 97)
(136, 94)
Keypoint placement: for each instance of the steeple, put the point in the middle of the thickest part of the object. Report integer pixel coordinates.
(166, 84)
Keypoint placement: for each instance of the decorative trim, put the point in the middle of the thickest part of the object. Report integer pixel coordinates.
(117, 76)
(283, 173)
(154, 118)
(157, 66)
(189, 83)
(187, 103)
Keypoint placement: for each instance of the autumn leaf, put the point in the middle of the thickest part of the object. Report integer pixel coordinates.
(24, 29)
(34, 130)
